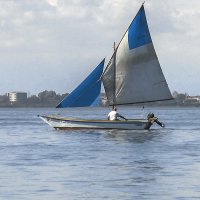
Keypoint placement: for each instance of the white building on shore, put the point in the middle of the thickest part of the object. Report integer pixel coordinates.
(16, 97)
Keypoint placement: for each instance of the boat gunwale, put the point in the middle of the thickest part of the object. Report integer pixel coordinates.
(129, 121)
(91, 128)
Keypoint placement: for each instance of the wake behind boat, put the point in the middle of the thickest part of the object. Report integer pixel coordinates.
(133, 75)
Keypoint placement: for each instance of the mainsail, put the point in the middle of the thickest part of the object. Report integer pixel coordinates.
(87, 93)
(133, 74)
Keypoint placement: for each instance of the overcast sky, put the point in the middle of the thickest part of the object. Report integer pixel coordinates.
(54, 44)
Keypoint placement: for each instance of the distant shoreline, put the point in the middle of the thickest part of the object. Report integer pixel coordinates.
(50, 99)
(136, 106)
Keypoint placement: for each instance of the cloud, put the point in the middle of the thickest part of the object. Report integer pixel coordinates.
(52, 2)
(59, 41)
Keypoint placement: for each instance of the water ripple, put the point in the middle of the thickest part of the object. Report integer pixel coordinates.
(37, 162)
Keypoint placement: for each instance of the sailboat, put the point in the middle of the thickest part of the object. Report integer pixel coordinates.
(133, 75)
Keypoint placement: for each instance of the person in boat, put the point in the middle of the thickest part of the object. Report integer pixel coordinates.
(113, 115)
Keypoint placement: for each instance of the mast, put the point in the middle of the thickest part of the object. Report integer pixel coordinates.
(113, 59)
(114, 82)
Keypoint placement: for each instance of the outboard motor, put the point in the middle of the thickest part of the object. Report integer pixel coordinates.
(149, 123)
(151, 119)
(150, 115)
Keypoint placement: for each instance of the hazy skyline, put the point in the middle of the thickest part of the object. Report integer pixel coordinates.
(54, 44)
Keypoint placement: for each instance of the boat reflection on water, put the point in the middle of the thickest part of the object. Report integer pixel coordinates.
(141, 150)
(136, 136)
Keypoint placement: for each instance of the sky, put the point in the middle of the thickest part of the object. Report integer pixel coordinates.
(54, 44)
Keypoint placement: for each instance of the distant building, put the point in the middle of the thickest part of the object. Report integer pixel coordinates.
(195, 98)
(192, 100)
(104, 100)
(17, 97)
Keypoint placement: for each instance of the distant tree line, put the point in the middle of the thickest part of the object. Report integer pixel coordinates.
(43, 99)
(180, 99)
(51, 99)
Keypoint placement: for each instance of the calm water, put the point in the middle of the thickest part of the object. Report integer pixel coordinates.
(37, 162)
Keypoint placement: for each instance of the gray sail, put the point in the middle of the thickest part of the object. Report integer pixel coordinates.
(136, 71)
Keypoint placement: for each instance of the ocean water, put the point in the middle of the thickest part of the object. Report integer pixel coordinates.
(38, 162)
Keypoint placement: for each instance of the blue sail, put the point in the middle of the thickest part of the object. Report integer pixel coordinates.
(138, 33)
(87, 93)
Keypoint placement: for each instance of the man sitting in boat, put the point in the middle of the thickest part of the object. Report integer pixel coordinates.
(113, 115)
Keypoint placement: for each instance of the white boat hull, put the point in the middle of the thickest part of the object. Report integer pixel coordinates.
(67, 123)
